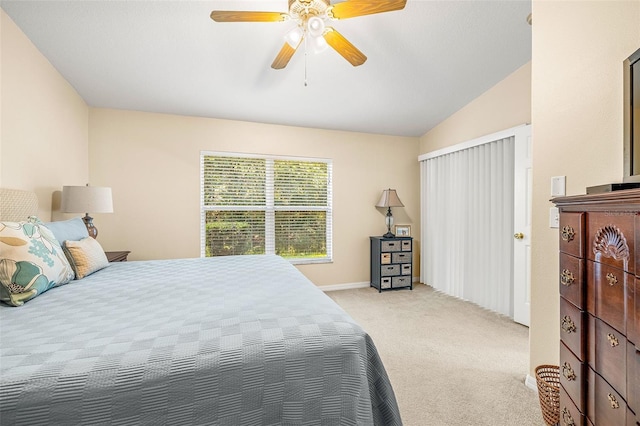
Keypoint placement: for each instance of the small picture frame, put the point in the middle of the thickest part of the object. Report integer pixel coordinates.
(403, 230)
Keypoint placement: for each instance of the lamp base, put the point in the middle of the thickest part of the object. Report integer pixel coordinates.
(389, 235)
(91, 229)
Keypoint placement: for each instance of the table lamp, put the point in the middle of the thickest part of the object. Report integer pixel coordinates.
(85, 199)
(389, 199)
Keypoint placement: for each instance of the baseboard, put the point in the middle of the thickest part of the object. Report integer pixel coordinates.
(531, 383)
(346, 286)
(349, 286)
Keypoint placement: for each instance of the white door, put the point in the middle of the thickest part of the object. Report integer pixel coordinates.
(522, 226)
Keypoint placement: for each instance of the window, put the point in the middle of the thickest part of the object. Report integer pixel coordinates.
(266, 205)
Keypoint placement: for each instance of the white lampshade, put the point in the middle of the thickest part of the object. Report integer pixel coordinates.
(86, 199)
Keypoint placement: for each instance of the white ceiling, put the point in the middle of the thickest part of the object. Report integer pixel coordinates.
(424, 62)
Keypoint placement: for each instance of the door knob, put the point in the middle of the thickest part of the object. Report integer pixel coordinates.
(518, 235)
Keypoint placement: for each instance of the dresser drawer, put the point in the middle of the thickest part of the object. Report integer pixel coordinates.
(609, 407)
(610, 356)
(631, 418)
(406, 245)
(633, 377)
(402, 257)
(570, 278)
(569, 413)
(606, 292)
(404, 281)
(633, 311)
(572, 378)
(572, 327)
(394, 245)
(610, 239)
(389, 270)
(572, 233)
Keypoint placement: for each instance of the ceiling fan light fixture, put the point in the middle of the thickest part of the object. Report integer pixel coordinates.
(318, 44)
(315, 26)
(294, 37)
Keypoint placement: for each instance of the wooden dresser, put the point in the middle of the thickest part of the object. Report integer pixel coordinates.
(599, 309)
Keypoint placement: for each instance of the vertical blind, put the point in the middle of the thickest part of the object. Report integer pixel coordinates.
(467, 224)
(264, 204)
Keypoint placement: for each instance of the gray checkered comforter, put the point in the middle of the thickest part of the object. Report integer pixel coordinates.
(241, 340)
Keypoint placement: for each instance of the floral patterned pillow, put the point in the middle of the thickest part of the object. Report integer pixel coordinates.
(31, 261)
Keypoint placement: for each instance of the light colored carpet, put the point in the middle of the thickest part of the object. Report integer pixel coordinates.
(450, 362)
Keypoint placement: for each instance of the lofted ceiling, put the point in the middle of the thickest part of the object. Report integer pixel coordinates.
(424, 63)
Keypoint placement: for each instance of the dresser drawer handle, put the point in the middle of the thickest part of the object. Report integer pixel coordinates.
(613, 340)
(568, 233)
(613, 401)
(566, 417)
(568, 372)
(568, 325)
(567, 278)
(612, 279)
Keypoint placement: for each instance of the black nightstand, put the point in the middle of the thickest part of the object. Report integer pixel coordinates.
(117, 256)
(391, 263)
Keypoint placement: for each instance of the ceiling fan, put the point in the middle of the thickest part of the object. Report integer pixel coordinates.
(312, 17)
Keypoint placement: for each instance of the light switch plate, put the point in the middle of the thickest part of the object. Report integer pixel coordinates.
(558, 186)
(554, 217)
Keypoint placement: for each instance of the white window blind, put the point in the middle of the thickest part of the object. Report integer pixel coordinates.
(467, 224)
(264, 204)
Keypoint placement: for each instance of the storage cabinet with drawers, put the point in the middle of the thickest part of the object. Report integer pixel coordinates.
(599, 319)
(391, 263)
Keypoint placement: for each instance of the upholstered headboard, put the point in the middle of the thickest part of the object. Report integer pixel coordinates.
(17, 204)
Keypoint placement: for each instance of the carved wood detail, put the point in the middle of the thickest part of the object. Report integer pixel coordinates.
(610, 242)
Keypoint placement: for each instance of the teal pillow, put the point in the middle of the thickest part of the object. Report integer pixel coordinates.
(31, 261)
(72, 229)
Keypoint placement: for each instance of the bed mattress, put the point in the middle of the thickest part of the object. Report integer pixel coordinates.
(238, 340)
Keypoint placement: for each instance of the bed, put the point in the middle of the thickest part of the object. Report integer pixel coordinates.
(238, 340)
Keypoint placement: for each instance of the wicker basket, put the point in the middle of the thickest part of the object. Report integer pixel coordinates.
(548, 380)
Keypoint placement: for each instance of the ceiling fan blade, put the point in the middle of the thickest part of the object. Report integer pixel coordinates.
(344, 47)
(284, 56)
(240, 16)
(353, 8)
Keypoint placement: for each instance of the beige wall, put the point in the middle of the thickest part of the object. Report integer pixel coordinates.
(151, 161)
(578, 49)
(43, 122)
(505, 105)
(50, 138)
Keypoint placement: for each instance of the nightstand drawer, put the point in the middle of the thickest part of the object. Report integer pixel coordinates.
(391, 245)
(385, 282)
(117, 256)
(403, 281)
(389, 270)
(402, 257)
